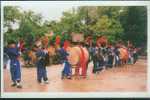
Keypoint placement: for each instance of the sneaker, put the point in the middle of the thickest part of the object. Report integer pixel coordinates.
(13, 84)
(46, 82)
(39, 81)
(69, 77)
(19, 86)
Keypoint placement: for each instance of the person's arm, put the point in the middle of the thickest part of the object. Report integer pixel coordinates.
(5, 50)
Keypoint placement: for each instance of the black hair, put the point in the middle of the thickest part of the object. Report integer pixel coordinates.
(11, 42)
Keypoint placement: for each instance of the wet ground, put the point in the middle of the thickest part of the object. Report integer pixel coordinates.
(128, 78)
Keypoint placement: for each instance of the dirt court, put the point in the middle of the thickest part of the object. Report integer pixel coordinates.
(128, 78)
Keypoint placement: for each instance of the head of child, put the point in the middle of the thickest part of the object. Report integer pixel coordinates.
(12, 44)
(37, 47)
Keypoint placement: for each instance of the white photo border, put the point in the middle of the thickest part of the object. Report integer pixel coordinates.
(80, 94)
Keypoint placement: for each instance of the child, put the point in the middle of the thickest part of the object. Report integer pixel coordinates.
(66, 72)
(116, 56)
(130, 52)
(110, 58)
(98, 61)
(13, 53)
(41, 66)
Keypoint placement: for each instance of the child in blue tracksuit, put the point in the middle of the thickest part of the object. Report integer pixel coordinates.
(41, 67)
(15, 71)
(66, 72)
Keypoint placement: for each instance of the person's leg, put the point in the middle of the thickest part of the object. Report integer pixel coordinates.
(111, 62)
(119, 61)
(63, 71)
(68, 70)
(129, 60)
(44, 75)
(94, 66)
(12, 73)
(18, 74)
(132, 60)
(116, 61)
(39, 74)
(101, 64)
(97, 67)
(107, 63)
(62, 75)
(135, 57)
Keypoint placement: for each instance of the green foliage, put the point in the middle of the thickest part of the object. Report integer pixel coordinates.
(134, 21)
(117, 23)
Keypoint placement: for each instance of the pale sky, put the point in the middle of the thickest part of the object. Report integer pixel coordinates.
(52, 10)
(49, 10)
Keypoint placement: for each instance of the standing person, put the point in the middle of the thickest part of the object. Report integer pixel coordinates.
(110, 57)
(92, 51)
(130, 52)
(116, 56)
(41, 64)
(67, 71)
(98, 61)
(135, 55)
(15, 70)
(89, 48)
(104, 54)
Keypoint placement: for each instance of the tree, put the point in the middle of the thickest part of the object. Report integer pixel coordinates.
(134, 22)
(117, 23)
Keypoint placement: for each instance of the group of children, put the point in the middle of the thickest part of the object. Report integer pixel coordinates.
(108, 56)
(13, 52)
(102, 57)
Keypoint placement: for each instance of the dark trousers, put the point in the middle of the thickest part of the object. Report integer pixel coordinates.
(117, 61)
(67, 71)
(41, 73)
(110, 62)
(98, 66)
(15, 70)
(135, 57)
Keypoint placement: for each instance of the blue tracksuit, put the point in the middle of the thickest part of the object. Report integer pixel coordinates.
(41, 68)
(67, 67)
(15, 71)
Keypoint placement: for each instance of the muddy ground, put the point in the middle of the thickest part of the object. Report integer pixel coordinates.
(128, 78)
